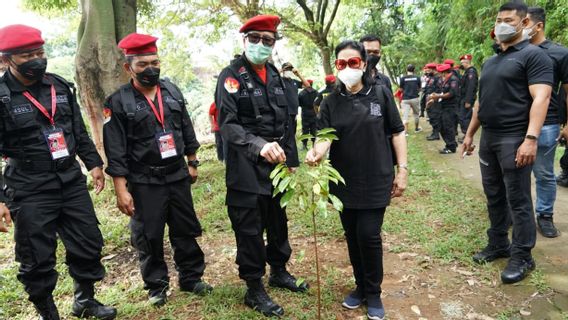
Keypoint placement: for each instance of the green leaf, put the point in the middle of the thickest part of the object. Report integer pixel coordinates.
(316, 188)
(284, 184)
(302, 203)
(286, 198)
(305, 137)
(337, 204)
(325, 131)
(301, 255)
(279, 176)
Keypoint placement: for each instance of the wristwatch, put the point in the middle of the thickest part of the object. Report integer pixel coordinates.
(403, 166)
(193, 163)
(531, 137)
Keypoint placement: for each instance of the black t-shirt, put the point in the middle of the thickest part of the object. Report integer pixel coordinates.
(559, 56)
(292, 87)
(382, 80)
(306, 98)
(410, 85)
(504, 97)
(362, 155)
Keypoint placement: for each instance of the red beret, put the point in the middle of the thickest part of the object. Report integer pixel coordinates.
(261, 22)
(443, 67)
(138, 44)
(310, 81)
(466, 57)
(330, 78)
(430, 65)
(19, 38)
(492, 34)
(450, 62)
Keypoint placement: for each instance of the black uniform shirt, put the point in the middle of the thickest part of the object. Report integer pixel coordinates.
(504, 97)
(292, 87)
(142, 148)
(431, 84)
(559, 56)
(469, 85)
(22, 128)
(307, 98)
(410, 85)
(383, 80)
(247, 171)
(362, 155)
(324, 93)
(452, 87)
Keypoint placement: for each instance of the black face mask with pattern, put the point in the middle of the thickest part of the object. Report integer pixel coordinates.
(33, 69)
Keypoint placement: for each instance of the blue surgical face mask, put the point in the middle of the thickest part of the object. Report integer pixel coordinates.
(257, 53)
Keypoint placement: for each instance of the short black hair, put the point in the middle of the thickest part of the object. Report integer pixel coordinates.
(370, 38)
(518, 6)
(537, 15)
(410, 68)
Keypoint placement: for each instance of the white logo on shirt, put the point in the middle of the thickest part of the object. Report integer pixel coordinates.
(376, 109)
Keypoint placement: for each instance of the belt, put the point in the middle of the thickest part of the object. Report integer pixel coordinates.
(159, 171)
(43, 165)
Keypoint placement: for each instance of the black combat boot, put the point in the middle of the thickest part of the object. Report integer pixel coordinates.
(46, 309)
(86, 306)
(280, 278)
(257, 299)
(562, 179)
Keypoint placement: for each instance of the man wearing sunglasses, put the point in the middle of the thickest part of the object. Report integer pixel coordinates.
(253, 119)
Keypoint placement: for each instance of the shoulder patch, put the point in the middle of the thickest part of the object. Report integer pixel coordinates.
(141, 106)
(62, 98)
(231, 85)
(107, 113)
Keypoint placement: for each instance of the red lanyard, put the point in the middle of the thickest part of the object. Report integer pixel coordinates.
(50, 117)
(159, 115)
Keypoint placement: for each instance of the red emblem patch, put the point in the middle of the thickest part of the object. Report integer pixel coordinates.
(231, 85)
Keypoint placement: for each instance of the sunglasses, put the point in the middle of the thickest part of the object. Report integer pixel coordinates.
(353, 63)
(255, 38)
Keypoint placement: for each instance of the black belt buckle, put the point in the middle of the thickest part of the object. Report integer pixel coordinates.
(158, 171)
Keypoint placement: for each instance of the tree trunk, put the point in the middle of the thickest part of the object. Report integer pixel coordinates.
(98, 61)
(325, 53)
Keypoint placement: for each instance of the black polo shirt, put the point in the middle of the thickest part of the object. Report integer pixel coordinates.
(362, 155)
(504, 97)
(292, 87)
(410, 85)
(383, 80)
(559, 56)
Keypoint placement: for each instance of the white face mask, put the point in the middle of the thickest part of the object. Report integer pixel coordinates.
(288, 74)
(350, 77)
(504, 32)
(527, 33)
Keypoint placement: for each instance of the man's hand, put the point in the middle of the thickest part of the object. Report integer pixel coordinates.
(296, 72)
(273, 153)
(399, 183)
(467, 146)
(125, 203)
(192, 173)
(467, 105)
(526, 154)
(564, 133)
(5, 219)
(98, 179)
(313, 158)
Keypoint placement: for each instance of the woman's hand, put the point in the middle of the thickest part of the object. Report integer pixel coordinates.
(399, 183)
(313, 158)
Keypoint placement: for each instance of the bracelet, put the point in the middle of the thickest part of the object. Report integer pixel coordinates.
(402, 166)
(531, 137)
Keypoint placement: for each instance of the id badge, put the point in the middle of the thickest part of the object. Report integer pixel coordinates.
(166, 144)
(56, 143)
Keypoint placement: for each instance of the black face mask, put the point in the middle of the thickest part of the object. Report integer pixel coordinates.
(33, 69)
(373, 60)
(149, 77)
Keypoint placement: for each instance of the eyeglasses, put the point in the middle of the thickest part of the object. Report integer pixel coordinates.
(353, 63)
(255, 38)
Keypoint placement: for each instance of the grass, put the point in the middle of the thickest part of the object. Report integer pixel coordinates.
(439, 217)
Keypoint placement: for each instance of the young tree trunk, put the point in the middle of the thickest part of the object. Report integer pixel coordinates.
(98, 61)
(325, 54)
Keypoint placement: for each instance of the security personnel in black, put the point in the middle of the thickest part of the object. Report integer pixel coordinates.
(41, 134)
(329, 87)
(468, 86)
(253, 115)
(433, 106)
(306, 97)
(292, 87)
(372, 46)
(448, 98)
(147, 132)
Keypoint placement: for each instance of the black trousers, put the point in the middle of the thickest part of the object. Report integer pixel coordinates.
(448, 128)
(435, 117)
(309, 127)
(249, 225)
(219, 146)
(363, 233)
(464, 116)
(508, 192)
(39, 216)
(158, 205)
(291, 148)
